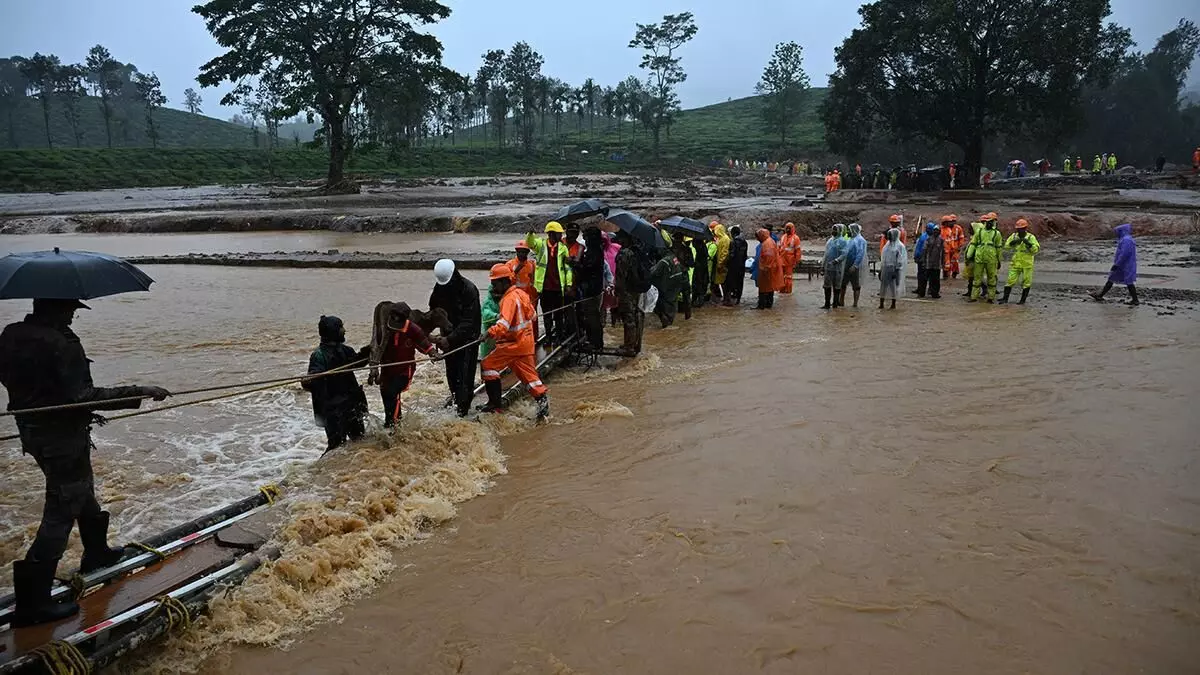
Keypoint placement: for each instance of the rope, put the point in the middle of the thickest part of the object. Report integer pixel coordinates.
(266, 384)
(62, 658)
(270, 491)
(147, 548)
(177, 613)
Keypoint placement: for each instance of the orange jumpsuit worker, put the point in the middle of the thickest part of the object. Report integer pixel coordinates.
(513, 335)
(789, 255)
(523, 271)
(895, 221)
(953, 241)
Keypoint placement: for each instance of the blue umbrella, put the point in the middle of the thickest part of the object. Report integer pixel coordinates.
(68, 275)
(690, 227)
(637, 227)
(580, 210)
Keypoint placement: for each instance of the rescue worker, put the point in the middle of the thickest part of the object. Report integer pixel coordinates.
(628, 293)
(393, 362)
(893, 262)
(735, 279)
(42, 363)
(1104, 163)
(953, 174)
(988, 243)
(551, 279)
(1124, 267)
(1112, 162)
(929, 256)
(687, 262)
(969, 258)
(721, 268)
(513, 336)
(459, 298)
(1067, 166)
(896, 221)
(836, 249)
(1078, 164)
(1196, 161)
(490, 312)
(338, 402)
(524, 271)
(856, 264)
(789, 256)
(1096, 165)
(667, 276)
(769, 269)
(1024, 247)
(953, 240)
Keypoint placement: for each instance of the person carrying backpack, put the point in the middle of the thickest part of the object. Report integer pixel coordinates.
(632, 278)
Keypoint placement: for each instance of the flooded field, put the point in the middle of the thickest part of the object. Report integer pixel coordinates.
(945, 488)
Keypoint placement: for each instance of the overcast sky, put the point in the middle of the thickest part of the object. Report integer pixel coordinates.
(723, 61)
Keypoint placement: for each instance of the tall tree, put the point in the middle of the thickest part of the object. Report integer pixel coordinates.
(608, 104)
(544, 103)
(103, 75)
(660, 42)
(963, 73)
(591, 94)
(497, 93)
(149, 91)
(560, 93)
(325, 52)
(521, 71)
(192, 101)
(782, 87)
(41, 71)
(13, 87)
(68, 89)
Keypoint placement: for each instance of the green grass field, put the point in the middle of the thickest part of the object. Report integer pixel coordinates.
(196, 150)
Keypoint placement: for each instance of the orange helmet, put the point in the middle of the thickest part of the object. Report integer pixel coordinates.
(894, 218)
(950, 218)
(991, 215)
(501, 271)
(1022, 223)
(522, 245)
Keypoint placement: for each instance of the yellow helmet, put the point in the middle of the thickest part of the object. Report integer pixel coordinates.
(553, 226)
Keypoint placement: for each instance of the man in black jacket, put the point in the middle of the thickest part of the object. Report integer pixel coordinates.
(42, 363)
(459, 298)
(338, 401)
(735, 278)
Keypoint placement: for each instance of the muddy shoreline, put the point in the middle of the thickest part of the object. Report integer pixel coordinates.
(1076, 210)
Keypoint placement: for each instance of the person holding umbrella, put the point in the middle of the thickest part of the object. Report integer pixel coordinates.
(43, 364)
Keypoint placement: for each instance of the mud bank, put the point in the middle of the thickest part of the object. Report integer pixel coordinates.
(328, 259)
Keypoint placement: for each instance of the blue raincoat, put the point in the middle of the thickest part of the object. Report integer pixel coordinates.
(1124, 268)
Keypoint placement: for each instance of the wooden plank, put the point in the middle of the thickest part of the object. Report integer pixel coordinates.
(119, 596)
(251, 533)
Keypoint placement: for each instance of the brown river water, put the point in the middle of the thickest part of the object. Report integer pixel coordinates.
(945, 488)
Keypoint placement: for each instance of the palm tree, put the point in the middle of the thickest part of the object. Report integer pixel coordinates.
(590, 91)
(543, 98)
(608, 105)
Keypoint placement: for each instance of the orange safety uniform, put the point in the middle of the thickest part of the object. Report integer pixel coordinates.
(837, 180)
(789, 255)
(883, 237)
(523, 276)
(1196, 161)
(515, 344)
(770, 271)
(953, 241)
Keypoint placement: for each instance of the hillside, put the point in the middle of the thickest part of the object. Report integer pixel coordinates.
(176, 128)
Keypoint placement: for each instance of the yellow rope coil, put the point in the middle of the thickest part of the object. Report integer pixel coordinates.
(147, 548)
(177, 614)
(62, 658)
(271, 491)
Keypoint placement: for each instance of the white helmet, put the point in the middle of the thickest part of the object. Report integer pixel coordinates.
(442, 271)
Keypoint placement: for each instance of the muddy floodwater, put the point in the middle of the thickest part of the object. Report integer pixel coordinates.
(946, 488)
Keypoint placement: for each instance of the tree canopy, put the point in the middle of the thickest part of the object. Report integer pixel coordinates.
(782, 87)
(660, 41)
(325, 53)
(965, 72)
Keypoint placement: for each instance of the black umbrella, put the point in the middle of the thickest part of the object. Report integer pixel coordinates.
(580, 210)
(690, 227)
(68, 275)
(637, 227)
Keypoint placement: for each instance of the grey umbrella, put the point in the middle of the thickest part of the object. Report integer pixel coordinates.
(690, 227)
(580, 210)
(68, 275)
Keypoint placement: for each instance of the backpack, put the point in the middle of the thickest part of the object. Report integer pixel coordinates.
(639, 281)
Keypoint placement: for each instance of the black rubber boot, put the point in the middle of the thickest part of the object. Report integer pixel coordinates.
(1024, 296)
(828, 294)
(31, 588)
(1133, 298)
(970, 285)
(93, 531)
(495, 402)
(543, 407)
(1007, 292)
